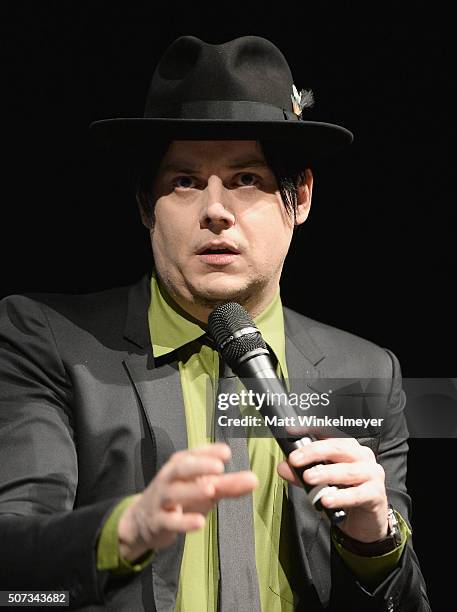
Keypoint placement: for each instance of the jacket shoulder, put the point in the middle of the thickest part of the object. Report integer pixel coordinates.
(72, 306)
(343, 350)
(100, 314)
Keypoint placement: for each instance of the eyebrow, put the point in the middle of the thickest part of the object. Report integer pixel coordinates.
(184, 167)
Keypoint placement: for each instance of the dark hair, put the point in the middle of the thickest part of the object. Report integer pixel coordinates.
(287, 166)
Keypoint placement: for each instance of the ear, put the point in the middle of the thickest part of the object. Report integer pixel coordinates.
(305, 192)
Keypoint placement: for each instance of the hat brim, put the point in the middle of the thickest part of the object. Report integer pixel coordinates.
(313, 139)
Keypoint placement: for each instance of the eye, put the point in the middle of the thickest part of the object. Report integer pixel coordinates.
(184, 182)
(247, 179)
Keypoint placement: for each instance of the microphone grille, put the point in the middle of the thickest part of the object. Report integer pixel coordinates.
(224, 322)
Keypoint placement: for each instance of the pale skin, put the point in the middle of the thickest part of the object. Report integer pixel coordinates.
(223, 191)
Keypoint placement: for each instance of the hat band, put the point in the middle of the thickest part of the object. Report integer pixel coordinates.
(234, 110)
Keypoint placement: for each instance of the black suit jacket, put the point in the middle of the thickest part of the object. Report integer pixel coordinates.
(87, 416)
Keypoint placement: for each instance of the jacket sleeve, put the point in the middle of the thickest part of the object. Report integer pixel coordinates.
(47, 543)
(404, 588)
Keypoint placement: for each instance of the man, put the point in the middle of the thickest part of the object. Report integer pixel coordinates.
(111, 486)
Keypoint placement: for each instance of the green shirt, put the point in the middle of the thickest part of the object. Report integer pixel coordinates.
(171, 328)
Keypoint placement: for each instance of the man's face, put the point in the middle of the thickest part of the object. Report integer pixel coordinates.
(221, 231)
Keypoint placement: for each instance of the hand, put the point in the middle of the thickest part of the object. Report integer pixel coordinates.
(179, 497)
(352, 466)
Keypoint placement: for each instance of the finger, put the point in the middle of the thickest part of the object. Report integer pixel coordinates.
(187, 493)
(235, 484)
(344, 473)
(367, 494)
(220, 450)
(316, 433)
(188, 466)
(336, 450)
(182, 522)
(286, 472)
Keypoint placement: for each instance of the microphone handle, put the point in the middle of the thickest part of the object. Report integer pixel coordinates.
(253, 369)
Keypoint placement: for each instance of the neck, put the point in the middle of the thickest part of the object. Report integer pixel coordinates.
(200, 310)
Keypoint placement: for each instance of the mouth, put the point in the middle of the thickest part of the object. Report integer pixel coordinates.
(217, 249)
(219, 255)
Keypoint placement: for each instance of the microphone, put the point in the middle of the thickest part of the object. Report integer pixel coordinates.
(241, 345)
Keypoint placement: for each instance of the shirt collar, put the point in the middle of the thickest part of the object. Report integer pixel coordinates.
(172, 327)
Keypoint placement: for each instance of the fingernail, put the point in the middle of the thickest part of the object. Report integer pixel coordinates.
(312, 474)
(297, 455)
(220, 466)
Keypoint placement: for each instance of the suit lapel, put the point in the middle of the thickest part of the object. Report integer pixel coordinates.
(157, 386)
(303, 355)
(156, 382)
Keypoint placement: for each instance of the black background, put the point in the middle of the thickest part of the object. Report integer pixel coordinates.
(377, 255)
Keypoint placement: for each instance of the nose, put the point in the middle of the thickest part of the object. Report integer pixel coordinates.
(214, 213)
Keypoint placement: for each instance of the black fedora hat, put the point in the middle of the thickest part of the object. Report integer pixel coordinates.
(239, 90)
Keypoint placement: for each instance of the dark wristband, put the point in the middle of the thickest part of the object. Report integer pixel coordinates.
(372, 549)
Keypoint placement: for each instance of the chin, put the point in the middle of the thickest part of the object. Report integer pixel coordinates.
(218, 292)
